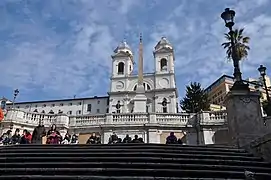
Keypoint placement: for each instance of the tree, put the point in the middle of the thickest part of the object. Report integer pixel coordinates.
(196, 99)
(241, 44)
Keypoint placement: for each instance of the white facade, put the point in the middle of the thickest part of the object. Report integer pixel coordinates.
(160, 86)
(71, 107)
(116, 112)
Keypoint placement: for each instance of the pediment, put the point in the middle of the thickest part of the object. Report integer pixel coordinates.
(121, 54)
(164, 50)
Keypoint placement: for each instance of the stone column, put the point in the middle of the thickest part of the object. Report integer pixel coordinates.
(244, 117)
(153, 136)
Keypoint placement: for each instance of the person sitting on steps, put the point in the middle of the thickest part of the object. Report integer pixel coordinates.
(53, 136)
(74, 139)
(127, 139)
(171, 139)
(113, 139)
(26, 137)
(15, 139)
(136, 139)
(92, 139)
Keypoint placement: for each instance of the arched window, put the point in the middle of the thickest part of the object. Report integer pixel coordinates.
(164, 105)
(146, 86)
(43, 111)
(121, 68)
(163, 64)
(51, 112)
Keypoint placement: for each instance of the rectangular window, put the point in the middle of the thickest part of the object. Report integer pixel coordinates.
(78, 112)
(98, 102)
(98, 110)
(89, 108)
(53, 105)
(80, 103)
(69, 112)
(70, 104)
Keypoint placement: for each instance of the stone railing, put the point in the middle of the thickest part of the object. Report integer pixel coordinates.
(84, 121)
(213, 117)
(171, 118)
(33, 119)
(87, 120)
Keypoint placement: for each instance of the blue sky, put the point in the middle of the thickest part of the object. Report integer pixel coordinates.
(60, 48)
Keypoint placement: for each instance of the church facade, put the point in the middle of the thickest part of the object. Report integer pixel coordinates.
(159, 87)
(137, 104)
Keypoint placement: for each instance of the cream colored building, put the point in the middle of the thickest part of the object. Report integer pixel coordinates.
(218, 90)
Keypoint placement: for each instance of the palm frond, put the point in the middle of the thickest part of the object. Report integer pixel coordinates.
(241, 45)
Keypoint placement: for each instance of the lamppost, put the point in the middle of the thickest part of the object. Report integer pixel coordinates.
(262, 71)
(16, 92)
(228, 17)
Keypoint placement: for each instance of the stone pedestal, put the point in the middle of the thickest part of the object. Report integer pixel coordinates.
(140, 100)
(244, 117)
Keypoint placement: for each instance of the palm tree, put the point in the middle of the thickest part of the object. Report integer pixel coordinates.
(241, 44)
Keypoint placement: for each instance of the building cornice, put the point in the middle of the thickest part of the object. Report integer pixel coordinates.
(150, 91)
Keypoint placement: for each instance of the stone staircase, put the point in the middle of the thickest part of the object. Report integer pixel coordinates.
(128, 161)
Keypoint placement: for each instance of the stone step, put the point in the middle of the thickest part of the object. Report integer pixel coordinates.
(94, 150)
(126, 146)
(90, 150)
(187, 160)
(136, 165)
(131, 154)
(76, 177)
(129, 172)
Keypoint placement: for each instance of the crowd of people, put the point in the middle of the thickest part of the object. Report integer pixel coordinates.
(114, 139)
(54, 137)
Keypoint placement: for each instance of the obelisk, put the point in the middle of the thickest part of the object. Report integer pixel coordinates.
(140, 99)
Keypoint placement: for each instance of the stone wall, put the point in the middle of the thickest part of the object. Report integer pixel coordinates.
(261, 147)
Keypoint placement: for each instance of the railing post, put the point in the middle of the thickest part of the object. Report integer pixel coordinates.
(109, 119)
(152, 118)
(204, 118)
(63, 120)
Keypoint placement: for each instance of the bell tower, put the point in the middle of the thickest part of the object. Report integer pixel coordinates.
(122, 60)
(165, 83)
(164, 57)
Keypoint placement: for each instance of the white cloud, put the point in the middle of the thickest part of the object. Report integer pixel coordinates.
(63, 48)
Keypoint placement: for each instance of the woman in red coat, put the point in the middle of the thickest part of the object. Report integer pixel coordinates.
(26, 137)
(53, 136)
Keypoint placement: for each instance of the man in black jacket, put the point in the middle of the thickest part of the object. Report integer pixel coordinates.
(38, 133)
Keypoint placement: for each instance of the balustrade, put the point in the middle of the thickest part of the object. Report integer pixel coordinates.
(213, 117)
(176, 119)
(130, 118)
(168, 118)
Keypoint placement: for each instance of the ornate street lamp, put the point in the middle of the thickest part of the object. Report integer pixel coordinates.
(228, 16)
(262, 71)
(16, 92)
